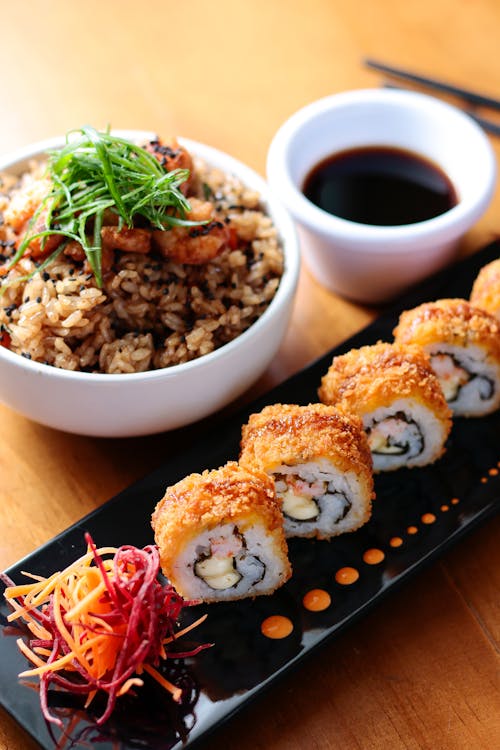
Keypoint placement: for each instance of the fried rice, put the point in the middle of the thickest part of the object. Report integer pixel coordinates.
(151, 312)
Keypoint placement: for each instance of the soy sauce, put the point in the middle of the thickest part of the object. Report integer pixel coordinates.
(380, 185)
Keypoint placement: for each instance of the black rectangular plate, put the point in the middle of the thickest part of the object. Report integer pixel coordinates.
(221, 680)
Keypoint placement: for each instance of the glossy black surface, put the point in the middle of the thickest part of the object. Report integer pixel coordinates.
(221, 680)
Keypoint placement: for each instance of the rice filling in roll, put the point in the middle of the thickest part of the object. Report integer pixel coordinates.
(222, 561)
(395, 392)
(314, 498)
(403, 434)
(395, 435)
(464, 378)
(463, 343)
(220, 535)
(320, 463)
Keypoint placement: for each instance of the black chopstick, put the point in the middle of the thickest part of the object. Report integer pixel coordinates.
(488, 125)
(491, 127)
(471, 97)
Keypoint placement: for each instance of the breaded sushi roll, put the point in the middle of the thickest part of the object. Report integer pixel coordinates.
(486, 289)
(398, 397)
(220, 535)
(321, 465)
(463, 343)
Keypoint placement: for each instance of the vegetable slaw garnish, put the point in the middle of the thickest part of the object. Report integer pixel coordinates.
(99, 625)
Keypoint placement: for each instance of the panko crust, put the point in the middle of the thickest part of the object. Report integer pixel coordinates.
(291, 434)
(454, 321)
(231, 493)
(365, 379)
(486, 289)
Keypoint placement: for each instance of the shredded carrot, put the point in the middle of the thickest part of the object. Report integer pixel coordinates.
(29, 654)
(98, 624)
(185, 630)
(176, 692)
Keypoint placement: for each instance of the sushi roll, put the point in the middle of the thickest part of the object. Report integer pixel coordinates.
(463, 343)
(321, 466)
(398, 397)
(486, 289)
(220, 535)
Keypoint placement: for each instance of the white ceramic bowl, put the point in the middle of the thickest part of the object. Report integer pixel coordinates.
(371, 263)
(144, 403)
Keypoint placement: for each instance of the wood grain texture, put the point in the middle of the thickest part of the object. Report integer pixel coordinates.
(422, 671)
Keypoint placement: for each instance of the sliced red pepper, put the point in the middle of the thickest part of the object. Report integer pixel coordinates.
(5, 339)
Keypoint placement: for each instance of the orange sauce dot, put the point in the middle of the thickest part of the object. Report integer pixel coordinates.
(396, 541)
(317, 600)
(346, 576)
(373, 556)
(455, 501)
(444, 508)
(428, 518)
(276, 627)
(493, 472)
(412, 530)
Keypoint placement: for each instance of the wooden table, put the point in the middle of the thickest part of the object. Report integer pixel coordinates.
(422, 671)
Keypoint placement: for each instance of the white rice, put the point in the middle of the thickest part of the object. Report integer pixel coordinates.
(432, 429)
(343, 488)
(258, 543)
(478, 396)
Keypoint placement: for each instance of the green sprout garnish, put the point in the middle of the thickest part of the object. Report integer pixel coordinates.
(99, 172)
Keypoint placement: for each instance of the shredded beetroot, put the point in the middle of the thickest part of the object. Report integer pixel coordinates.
(109, 620)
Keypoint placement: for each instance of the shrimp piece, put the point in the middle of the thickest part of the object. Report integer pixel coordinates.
(25, 202)
(194, 245)
(75, 251)
(19, 214)
(127, 240)
(172, 156)
(40, 247)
